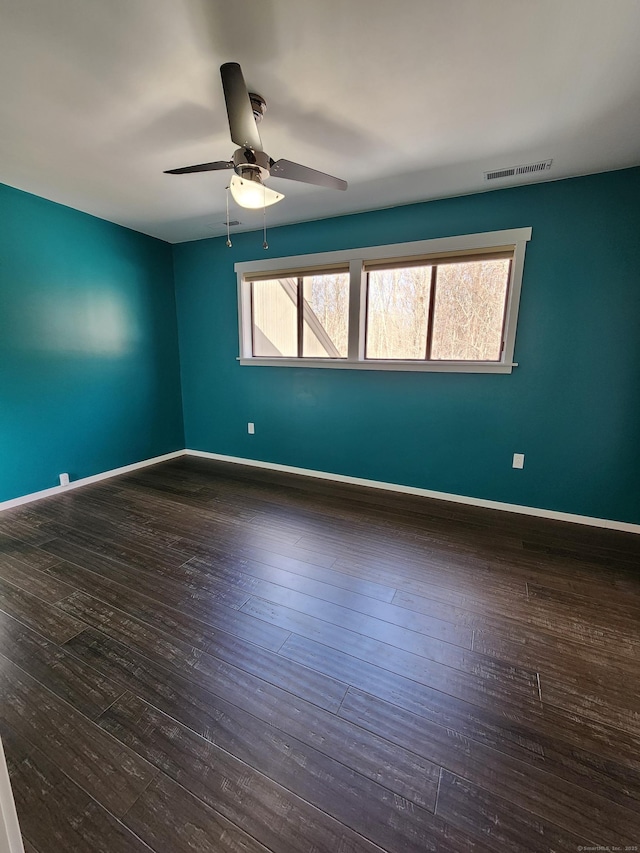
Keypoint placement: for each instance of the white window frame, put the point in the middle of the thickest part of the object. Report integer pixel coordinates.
(356, 260)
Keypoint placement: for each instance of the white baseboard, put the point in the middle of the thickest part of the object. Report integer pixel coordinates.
(85, 481)
(607, 523)
(610, 524)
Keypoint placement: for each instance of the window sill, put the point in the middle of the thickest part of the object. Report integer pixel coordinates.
(411, 366)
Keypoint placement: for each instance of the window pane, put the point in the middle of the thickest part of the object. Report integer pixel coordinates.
(469, 310)
(325, 315)
(397, 308)
(275, 317)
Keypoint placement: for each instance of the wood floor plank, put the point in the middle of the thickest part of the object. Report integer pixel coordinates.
(412, 682)
(150, 581)
(507, 828)
(127, 548)
(608, 700)
(112, 774)
(263, 545)
(340, 628)
(433, 578)
(500, 597)
(279, 582)
(398, 769)
(54, 668)
(237, 663)
(316, 778)
(34, 581)
(492, 726)
(171, 820)
(472, 620)
(197, 525)
(270, 813)
(56, 815)
(37, 614)
(176, 617)
(25, 553)
(533, 623)
(622, 613)
(509, 727)
(555, 656)
(83, 511)
(15, 748)
(576, 808)
(343, 608)
(23, 530)
(262, 578)
(253, 560)
(611, 584)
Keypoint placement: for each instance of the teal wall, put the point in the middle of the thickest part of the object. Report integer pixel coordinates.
(572, 406)
(89, 370)
(90, 374)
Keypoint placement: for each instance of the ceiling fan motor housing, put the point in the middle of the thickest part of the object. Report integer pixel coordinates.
(248, 164)
(258, 105)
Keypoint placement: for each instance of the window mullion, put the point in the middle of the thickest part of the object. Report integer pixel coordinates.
(431, 311)
(355, 346)
(300, 315)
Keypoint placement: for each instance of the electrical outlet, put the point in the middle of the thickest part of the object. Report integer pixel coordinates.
(251, 428)
(518, 460)
(64, 479)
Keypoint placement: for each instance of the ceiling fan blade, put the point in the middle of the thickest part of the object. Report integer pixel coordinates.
(296, 172)
(203, 167)
(242, 124)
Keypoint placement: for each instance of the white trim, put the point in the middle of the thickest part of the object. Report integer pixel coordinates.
(356, 259)
(610, 524)
(417, 366)
(10, 836)
(556, 515)
(85, 481)
(461, 243)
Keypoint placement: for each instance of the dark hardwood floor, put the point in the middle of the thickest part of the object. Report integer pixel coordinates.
(206, 657)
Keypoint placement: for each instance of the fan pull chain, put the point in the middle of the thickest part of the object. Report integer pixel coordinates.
(265, 245)
(229, 243)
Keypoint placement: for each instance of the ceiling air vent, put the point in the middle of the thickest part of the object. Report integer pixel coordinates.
(529, 169)
(499, 173)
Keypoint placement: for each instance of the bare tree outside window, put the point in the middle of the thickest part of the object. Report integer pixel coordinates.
(326, 315)
(469, 310)
(397, 312)
(460, 320)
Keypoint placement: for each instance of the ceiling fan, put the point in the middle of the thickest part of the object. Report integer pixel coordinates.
(252, 165)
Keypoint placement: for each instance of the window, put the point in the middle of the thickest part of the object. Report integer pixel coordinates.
(450, 310)
(301, 316)
(446, 304)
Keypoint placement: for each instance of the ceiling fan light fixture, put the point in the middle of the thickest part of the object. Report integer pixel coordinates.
(249, 191)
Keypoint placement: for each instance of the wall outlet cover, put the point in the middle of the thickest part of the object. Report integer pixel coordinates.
(518, 460)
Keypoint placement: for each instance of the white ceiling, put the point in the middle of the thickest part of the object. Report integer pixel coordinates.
(407, 100)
